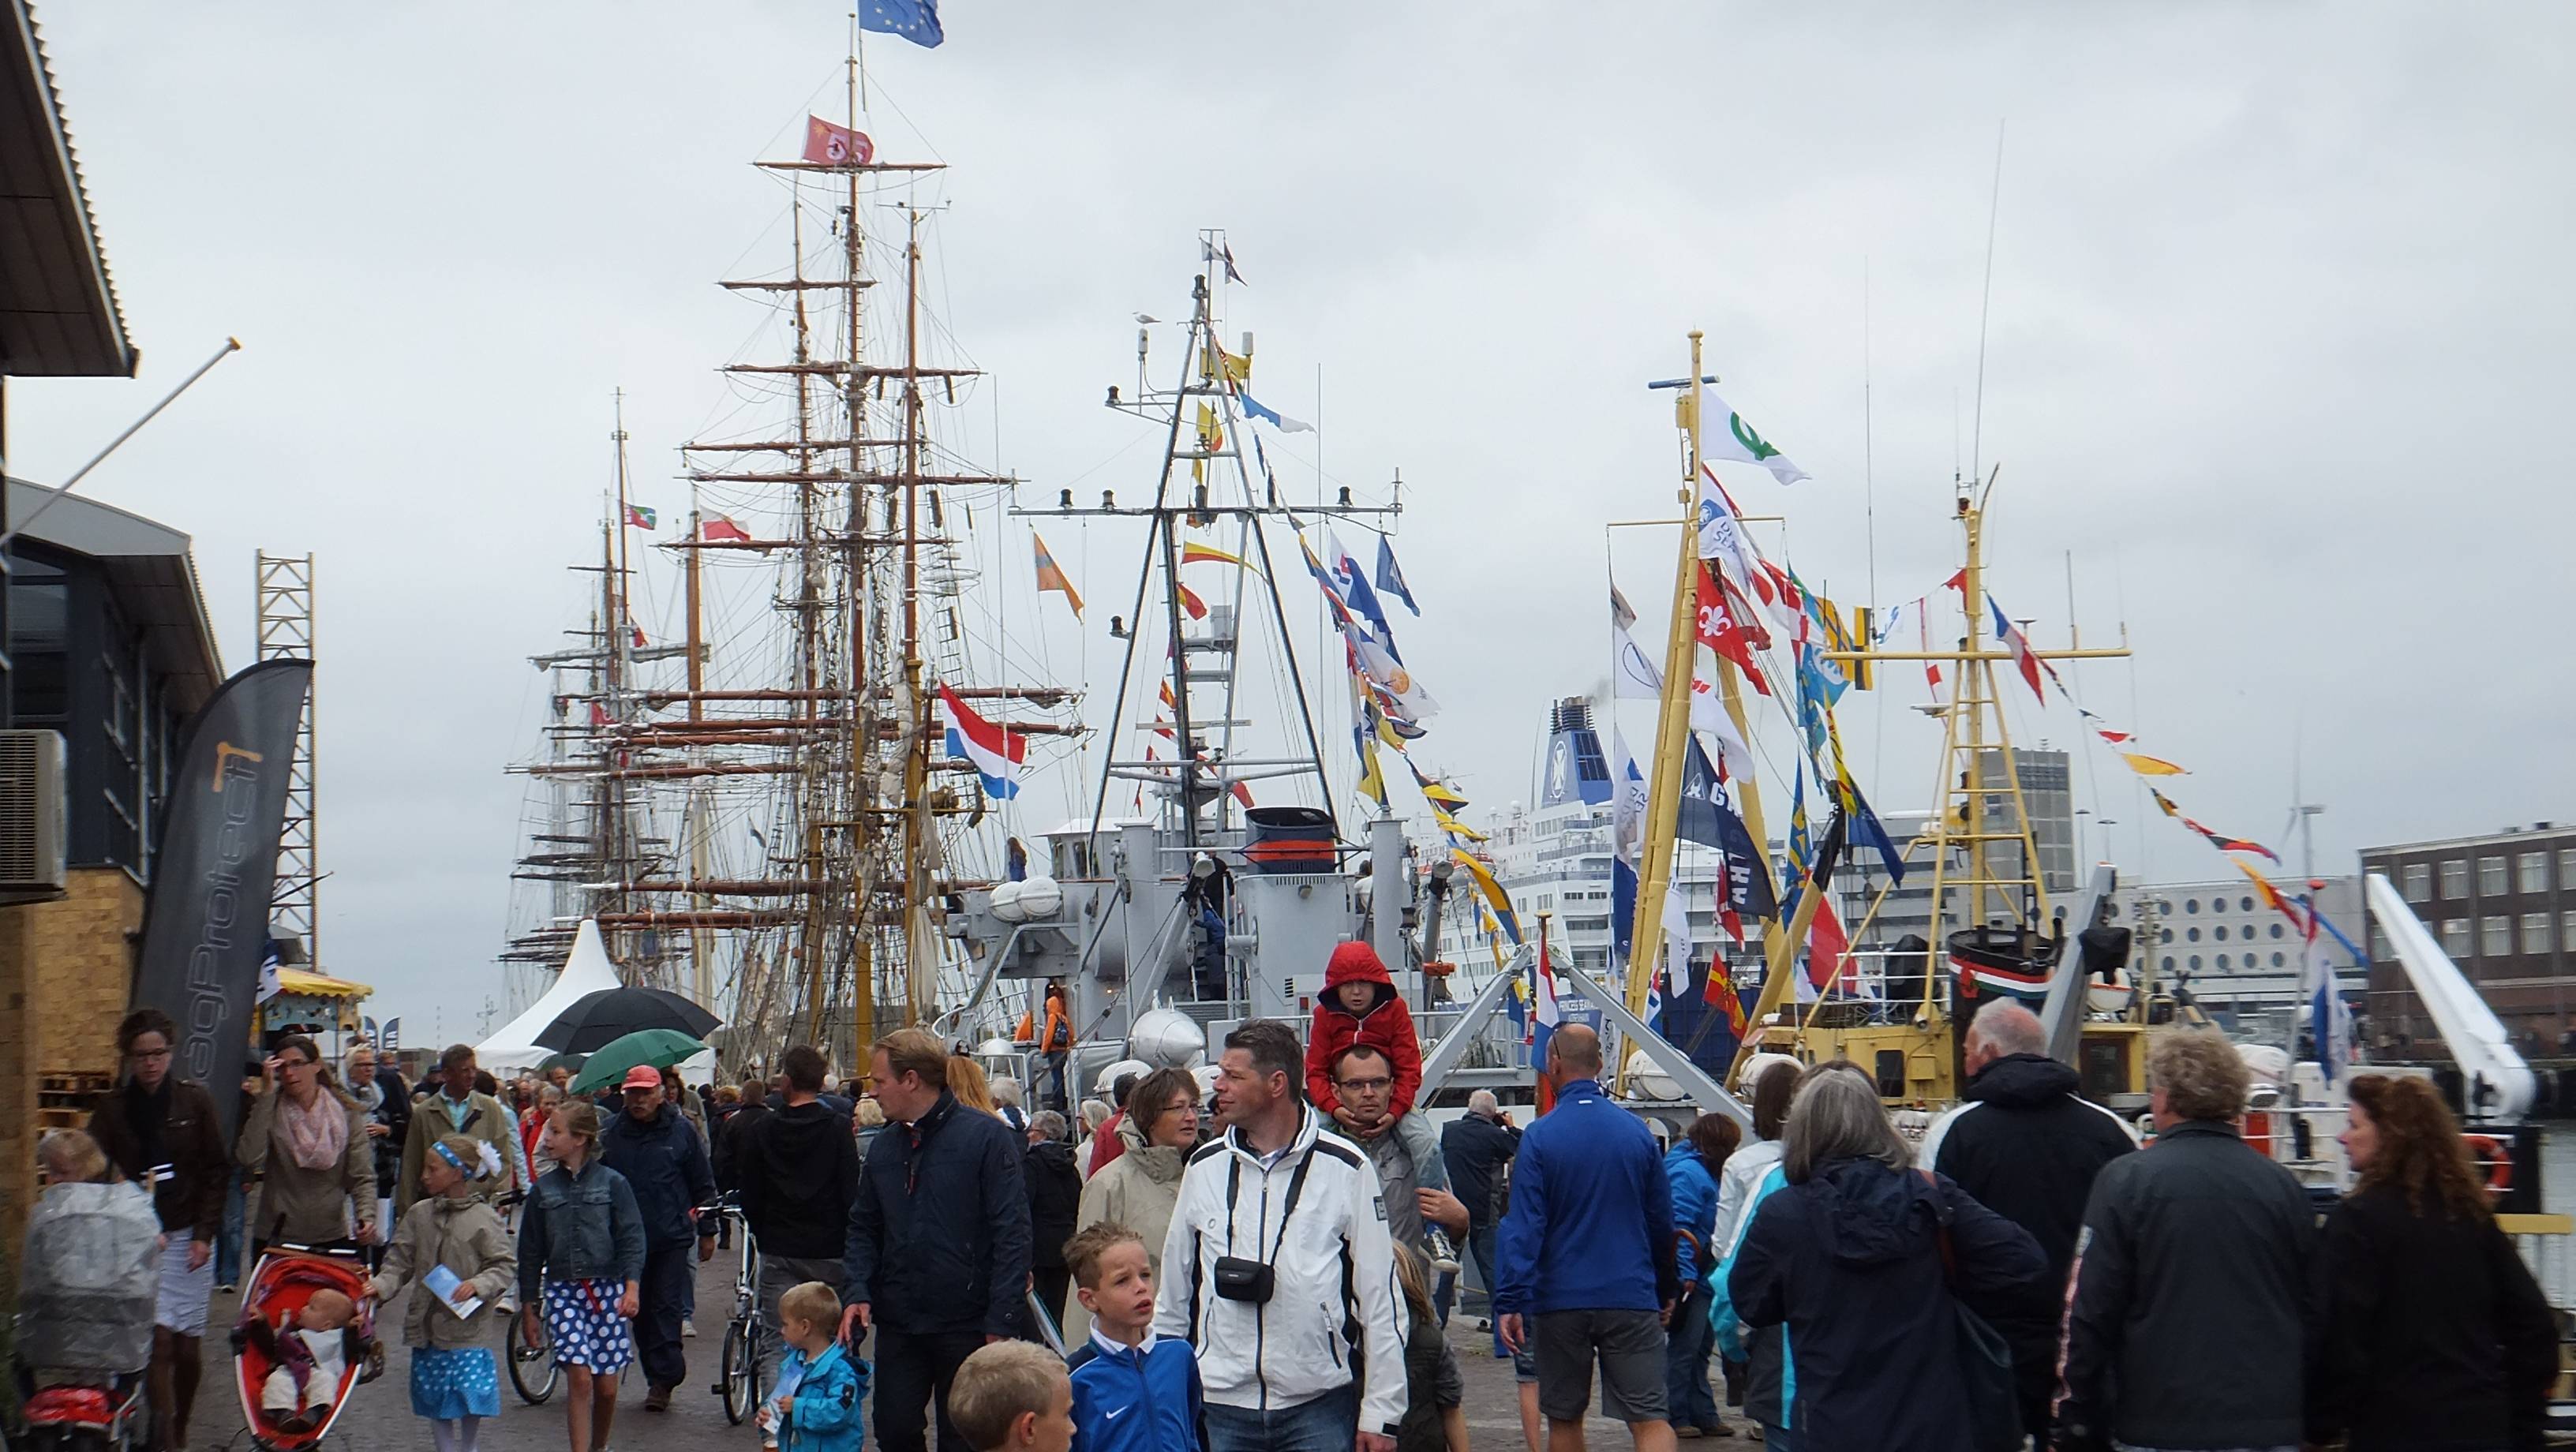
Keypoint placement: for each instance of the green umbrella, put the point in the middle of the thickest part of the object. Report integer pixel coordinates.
(653, 1048)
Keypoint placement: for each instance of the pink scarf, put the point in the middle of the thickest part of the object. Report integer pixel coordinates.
(316, 1136)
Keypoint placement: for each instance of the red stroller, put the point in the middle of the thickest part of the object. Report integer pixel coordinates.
(285, 1278)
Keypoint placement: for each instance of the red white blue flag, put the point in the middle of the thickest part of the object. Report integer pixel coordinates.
(996, 752)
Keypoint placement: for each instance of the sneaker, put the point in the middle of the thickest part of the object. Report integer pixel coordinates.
(1444, 1257)
(688, 1327)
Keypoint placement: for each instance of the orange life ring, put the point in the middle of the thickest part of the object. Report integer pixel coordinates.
(2494, 1158)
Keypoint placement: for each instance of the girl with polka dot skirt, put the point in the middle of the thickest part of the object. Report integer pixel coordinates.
(581, 1258)
(449, 1323)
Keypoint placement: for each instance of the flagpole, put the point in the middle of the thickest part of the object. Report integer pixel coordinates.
(1672, 725)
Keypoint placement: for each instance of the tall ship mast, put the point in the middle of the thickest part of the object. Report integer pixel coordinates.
(815, 829)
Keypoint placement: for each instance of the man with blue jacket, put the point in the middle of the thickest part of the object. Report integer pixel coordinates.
(1586, 1254)
(652, 1145)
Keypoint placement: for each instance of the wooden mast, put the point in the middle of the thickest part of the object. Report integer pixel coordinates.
(862, 786)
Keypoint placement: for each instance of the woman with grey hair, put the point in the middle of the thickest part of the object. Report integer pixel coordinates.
(1850, 1257)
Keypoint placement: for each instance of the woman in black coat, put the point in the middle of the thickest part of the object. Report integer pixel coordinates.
(2426, 1331)
(1848, 1255)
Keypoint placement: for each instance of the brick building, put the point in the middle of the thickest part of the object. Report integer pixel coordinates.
(2503, 906)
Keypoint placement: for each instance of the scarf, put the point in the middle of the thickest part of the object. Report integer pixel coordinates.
(315, 1137)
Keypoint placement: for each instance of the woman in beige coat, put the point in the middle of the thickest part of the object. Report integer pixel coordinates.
(1139, 1188)
(307, 1142)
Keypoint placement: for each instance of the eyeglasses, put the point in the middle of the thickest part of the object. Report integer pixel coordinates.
(1366, 1086)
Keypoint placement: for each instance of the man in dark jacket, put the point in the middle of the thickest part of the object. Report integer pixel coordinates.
(2026, 1146)
(937, 1258)
(1055, 1207)
(1474, 1148)
(652, 1145)
(797, 1171)
(2183, 1327)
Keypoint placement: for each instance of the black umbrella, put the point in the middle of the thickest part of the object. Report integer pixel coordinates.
(597, 1019)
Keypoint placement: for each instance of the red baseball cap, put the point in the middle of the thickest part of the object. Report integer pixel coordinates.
(642, 1076)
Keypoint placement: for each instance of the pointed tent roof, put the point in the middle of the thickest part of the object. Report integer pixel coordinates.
(586, 970)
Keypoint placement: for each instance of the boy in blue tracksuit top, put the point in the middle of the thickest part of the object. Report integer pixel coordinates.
(827, 1383)
(1133, 1391)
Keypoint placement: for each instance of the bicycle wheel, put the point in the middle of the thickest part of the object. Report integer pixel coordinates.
(533, 1372)
(741, 1371)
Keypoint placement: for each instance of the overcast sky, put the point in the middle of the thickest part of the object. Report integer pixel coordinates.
(2278, 357)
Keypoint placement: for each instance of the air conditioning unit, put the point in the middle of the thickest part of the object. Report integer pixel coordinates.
(33, 812)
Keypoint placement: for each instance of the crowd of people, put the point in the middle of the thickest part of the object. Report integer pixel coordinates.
(1277, 1276)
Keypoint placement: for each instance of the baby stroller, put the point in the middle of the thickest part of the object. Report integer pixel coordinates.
(285, 1278)
(90, 1284)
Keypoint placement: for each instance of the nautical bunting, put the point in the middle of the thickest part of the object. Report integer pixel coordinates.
(1194, 553)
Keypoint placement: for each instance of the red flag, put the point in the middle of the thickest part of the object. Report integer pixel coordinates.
(1720, 991)
(720, 527)
(1719, 631)
(830, 145)
(1191, 602)
(1827, 944)
(598, 714)
(639, 633)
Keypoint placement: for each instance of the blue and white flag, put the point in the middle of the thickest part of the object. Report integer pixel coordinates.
(1255, 408)
(1390, 580)
(915, 20)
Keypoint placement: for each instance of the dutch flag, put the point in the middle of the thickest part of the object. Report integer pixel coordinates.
(997, 753)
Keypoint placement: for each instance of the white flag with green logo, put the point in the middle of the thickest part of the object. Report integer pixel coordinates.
(1728, 436)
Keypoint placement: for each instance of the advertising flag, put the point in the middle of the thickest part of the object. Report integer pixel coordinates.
(830, 145)
(205, 921)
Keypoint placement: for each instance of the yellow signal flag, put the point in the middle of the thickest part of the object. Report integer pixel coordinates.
(1372, 782)
(1858, 669)
(2145, 765)
(1052, 578)
(1193, 553)
(1454, 827)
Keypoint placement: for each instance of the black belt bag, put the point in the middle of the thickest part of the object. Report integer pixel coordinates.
(1239, 1278)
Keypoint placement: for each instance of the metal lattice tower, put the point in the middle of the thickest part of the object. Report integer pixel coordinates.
(286, 629)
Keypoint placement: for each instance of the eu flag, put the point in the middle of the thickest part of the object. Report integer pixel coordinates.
(915, 20)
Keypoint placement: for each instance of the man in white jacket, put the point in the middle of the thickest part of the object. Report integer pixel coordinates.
(1277, 1260)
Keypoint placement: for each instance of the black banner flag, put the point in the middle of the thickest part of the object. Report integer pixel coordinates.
(205, 923)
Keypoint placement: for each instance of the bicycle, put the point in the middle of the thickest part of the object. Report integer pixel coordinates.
(738, 1367)
(533, 1373)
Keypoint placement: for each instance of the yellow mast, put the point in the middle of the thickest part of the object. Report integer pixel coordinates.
(1672, 721)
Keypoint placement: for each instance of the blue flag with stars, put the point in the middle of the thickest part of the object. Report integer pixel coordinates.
(915, 20)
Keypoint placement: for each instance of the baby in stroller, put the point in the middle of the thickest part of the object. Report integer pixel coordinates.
(307, 1362)
(86, 1297)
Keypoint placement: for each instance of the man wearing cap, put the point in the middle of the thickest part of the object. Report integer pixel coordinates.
(653, 1146)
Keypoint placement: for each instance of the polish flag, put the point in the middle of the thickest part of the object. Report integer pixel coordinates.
(830, 145)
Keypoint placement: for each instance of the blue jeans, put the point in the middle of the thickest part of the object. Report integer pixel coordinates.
(1329, 1423)
(1480, 1249)
(1687, 1398)
(228, 1241)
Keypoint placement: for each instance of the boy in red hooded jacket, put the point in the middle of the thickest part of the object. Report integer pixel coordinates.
(1359, 1005)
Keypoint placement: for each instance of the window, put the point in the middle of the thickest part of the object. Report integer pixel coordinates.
(2245, 904)
(2222, 962)
(2169, 956)
(2278, 960)
(2219, 932)
(2164, 935)
(2419, 882)
(2491, 877)
(2379, 942)
(2455, 880)
(2535, 872)
(2567, 931)
(2191, 904)
(2195, 962)
(2567, 866)
(2455, 937)
(2535, 932)
(2193, 934)
(2498, 937)
(2276, 930)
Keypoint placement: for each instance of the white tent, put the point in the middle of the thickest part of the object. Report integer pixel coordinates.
(586, 970)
